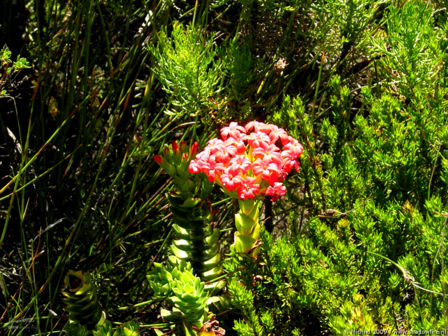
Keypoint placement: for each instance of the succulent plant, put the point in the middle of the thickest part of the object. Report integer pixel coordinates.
(81, 299)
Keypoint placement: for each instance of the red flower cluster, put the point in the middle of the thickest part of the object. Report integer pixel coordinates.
(251, 161)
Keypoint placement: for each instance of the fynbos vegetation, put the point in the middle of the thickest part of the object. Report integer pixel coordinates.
(223, 167)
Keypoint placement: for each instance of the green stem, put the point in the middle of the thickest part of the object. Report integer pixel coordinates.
(248, 227)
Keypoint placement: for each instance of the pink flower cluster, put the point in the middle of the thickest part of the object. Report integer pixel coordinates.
(251, 161)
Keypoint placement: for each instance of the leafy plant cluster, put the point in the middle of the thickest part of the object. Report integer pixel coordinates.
(9, 68)
(357, 244)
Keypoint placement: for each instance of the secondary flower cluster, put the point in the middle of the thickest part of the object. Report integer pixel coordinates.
(249, 161)
(175, 160)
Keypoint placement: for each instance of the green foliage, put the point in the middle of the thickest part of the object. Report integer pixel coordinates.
(103, 329)
(244, 300)
(187, 68)
(190, 297)
(240, 66)
(325, 286)
(74, 329)
(412, 49)
(8, 65)
(82, 189)
(9, 69)
(127, 329)
(183, 290)
(5, 55)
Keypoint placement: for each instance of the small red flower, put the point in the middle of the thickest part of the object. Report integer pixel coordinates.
(194, 148)
(175, 147)
(268, 170)
(249, 189)
(267, 151)
(230, 183)
(239, 164)
(258, 139)
(276, 191)
(233, 130)
(158, 159)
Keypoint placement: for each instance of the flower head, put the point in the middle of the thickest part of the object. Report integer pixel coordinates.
(250, 161)
(175, 159)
